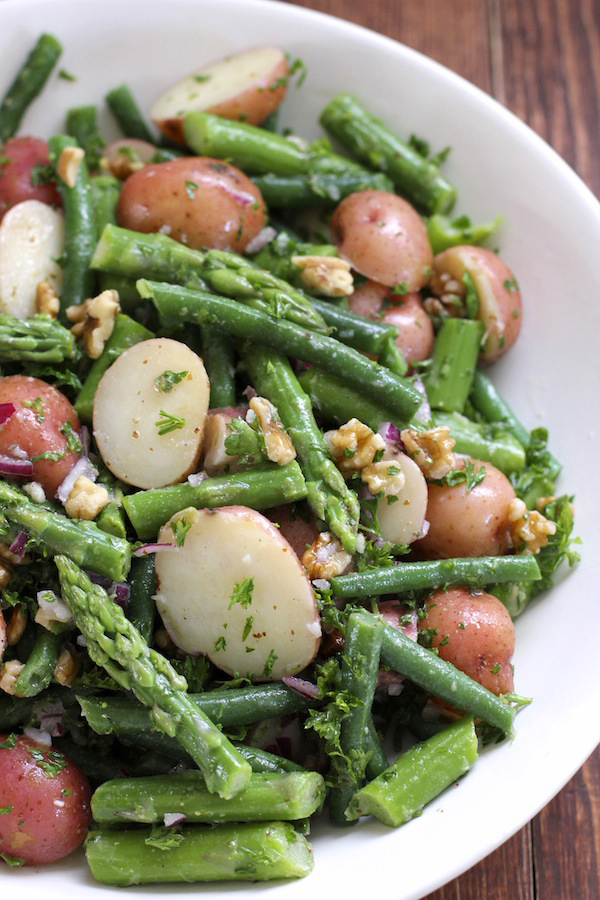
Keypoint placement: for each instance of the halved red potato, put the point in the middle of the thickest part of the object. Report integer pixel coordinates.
(20, 157)
(248, 87)
(401, 519)
(39, 427)
(298, 531)
(384, 238)
(2, 634)
(149, 413)
(127, 155)
(474, 632)
(198, 201)
(31, 243)
(235, 591)
(500, 307)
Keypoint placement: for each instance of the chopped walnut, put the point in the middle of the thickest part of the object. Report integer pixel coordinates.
(327, 275)
(66, 668)
(449, 295)
(431, 450)
(68, 164)
(9, 673)
(325, 557)
(5, 573)
(528, 526)
(16, 626)
(124, 164)
(353, 446)
(94, 321)
(6, 556)
(385, 476)
(86, 499)
(46, 300)
(278, 443)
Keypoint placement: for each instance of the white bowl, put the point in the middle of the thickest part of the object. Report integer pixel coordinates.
(551, 239)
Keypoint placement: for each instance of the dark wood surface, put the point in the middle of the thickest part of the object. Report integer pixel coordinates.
(541, 59)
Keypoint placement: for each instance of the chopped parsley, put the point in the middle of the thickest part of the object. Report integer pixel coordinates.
(12, 861)
(511, 284)
(242, 593)
(66, 76)
(51, 763)
(220, 643)
(180, 529)
(400, 289)
(168, 423)
(49, 455)
(496, 669)
(269, 663)
(471, 297)
(201, 78)
(41, 174)
(72, 438)
(468, 476)
(37, 406)
(162, 838)
(190, 188)
(5, 810)
(167, 381)
(246, 441)
(10, 743)
(247, 629)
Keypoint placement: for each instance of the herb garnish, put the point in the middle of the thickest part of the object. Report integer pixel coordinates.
(168, 423)
(242, 593)
(167, 381)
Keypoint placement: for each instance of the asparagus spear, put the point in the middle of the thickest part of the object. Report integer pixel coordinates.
(114, 643)
(265, 798)
(261, 488)
(161, 258)
(39, 339)
(179, 304)
(417, 776)
(30, 80)
(328, 495)
(246, 852)
(418, 178)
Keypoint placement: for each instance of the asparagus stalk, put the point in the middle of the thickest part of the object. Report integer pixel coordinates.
(418, 178)
(114, 643)
(246, 852)
(30, 80)
(430, 574)
(158, 257)
(260, 488)
(266, 798)
(457, 345)
(125, 334)
(418, 776)
(39, 339)
(318, 189)
(360, 333)
(83, 542)
(328, 495)
(179, 304)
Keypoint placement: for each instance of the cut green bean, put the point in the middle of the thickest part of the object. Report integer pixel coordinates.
(335, 402)
(141, 609)
(418, 776)
(200, 853)
(429, 574)
(81, 125)
(126, 111)
(449, 380)
(39, 668)
(487, 400)
(321, 189)
(490, 443)
(260, 488)
(30, 80)
(358, 332)
(418, 178)
(444, 232)
(218, 355)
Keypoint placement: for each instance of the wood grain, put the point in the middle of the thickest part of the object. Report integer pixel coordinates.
(542, 60)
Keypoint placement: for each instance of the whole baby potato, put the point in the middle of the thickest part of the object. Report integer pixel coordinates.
(473, 631)
(405, 312)
(198, 201)
(468, 522)
(19, 158)
(383, 238)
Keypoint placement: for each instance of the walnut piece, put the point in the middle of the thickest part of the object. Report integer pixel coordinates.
(449, 295)
(86, 499)
(66, 668)
(16, 626)
(385, 476)
(278, 443)
(46, 300)
(528, 526)
(325, 557)
(68, 164)
(94, 321)
(431, 450)
(9, 673)
(353, 446)
(327, 275)
(124, 164)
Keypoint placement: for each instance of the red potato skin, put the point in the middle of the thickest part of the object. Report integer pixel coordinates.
(471, 524)
(406, 313)
(383, 238)
(299, 533)
(475, 633)
(48, 816)
(198, 201)
(21, 154)
(2, 635)
(25, 430)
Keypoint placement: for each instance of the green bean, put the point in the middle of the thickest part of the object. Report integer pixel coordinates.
(39, 668)
(218, 354)
(141, 609)
(124, 108)
(448, 382)
(30, 80)
(81, 125)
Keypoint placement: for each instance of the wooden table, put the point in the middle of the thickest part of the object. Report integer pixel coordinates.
(541, 59)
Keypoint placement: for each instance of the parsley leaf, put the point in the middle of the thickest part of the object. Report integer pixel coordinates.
(468, 476)
(269, 663)
(242, 593)
(180, 529)
(72, 438)
(168, 423)
(162, 838)
(167, 381)
(245, 440)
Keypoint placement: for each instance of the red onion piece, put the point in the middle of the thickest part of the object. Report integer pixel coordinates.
(197, 478)
(121, 593)
(18, 545)
(6, 411)
(83, 466)
(102, 580)
(264, 237)
(147, 549)
(391, 433)
(37, 735)
(300, 686)
(249, 393)
(15, 467)
(171, 819)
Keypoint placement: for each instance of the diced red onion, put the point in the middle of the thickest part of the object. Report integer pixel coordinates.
(264, 237)
(197, 478)
(249, 393)
(6, 411)
(19, 467)
(171, 819)
(52, 725)
(321, 584)
(147, 549)
(52, 608)
(83, 466)
(102, 580)
(18, 545)
(121, 593)
(300, 686)
(424, 529)
(391, 433)
(37, 735)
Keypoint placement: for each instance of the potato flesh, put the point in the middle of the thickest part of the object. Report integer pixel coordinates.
(276, 633)
(401, 522)
(128, 405)
(31, 240)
